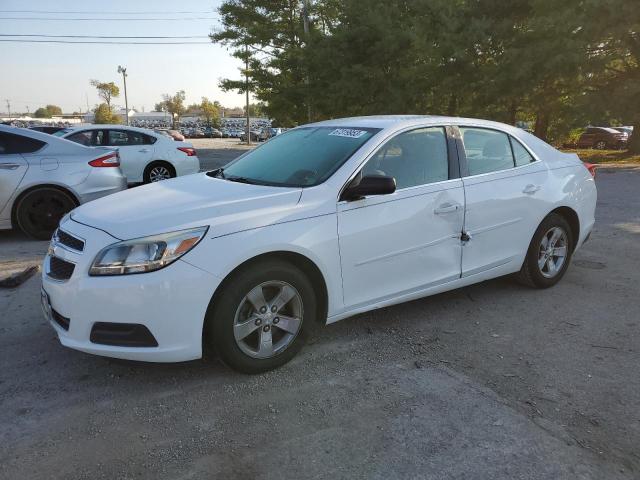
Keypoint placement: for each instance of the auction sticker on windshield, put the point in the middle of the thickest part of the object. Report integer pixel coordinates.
(348, 132)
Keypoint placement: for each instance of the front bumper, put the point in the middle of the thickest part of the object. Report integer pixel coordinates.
(171, 303)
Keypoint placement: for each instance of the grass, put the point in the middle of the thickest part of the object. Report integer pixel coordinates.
(605, 156)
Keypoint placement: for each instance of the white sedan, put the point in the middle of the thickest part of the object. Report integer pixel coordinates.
(146, 156)
(320, 223)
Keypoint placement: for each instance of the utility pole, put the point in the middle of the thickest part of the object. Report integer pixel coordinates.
(246, 84)
(9, 108)
(123, 71)
(306, 4)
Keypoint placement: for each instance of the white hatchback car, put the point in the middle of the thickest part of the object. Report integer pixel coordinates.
(146, 156)
(317, 224)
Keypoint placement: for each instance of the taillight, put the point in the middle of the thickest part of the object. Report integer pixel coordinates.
(191, 152)
(591, 167)
(111, 160)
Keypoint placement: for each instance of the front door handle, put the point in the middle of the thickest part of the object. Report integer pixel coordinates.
(446, 208)
(144, 150)
(531, 189)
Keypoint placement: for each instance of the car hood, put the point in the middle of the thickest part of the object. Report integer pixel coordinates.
(186, 202)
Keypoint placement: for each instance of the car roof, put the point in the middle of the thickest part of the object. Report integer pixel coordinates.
(98, 126)
(400, 121)
(28, 132)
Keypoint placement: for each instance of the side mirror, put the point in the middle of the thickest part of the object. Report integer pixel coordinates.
(369, 185)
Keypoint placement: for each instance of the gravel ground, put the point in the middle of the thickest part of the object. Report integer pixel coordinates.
(491, 381)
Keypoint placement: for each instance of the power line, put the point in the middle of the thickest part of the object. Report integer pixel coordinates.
(102, 42)
(95, 36)
(108, 19)
(96, 12)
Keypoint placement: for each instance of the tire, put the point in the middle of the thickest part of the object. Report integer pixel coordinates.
(531, 273)
(39, 211)
(157, 171)
(231, 316)
(600, 145)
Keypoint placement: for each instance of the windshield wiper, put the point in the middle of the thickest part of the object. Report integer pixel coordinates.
(241, 180)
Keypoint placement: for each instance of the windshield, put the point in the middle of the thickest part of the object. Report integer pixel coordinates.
(299, 158)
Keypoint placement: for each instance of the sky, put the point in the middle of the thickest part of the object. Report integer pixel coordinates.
(36, 74)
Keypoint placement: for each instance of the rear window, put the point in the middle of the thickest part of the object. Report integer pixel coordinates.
(11, 144)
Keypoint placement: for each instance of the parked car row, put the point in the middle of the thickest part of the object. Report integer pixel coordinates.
(44, 176)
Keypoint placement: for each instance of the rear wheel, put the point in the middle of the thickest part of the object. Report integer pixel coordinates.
(158, 171)
(39, 211)
(259, 319)
(600, 145)
(549, 253)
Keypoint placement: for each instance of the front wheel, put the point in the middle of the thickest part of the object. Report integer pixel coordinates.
(258, 320)
(549, 253)
(600, 145)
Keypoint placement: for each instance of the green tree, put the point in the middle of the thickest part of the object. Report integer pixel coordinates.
(104, 115)
(211, 111)
(54, 109)
(174, 105)
(42, 113)
(106, 91)
(48, 111)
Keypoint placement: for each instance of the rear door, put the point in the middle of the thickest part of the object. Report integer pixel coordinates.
(12, 165)
(136, 152)
(504, 185)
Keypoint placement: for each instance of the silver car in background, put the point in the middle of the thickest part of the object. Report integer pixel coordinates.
(43, 177)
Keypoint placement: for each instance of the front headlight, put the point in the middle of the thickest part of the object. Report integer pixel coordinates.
(145, 254)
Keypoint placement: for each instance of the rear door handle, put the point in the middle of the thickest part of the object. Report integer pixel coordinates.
(9, 166)
(531, 189)
(446, 208)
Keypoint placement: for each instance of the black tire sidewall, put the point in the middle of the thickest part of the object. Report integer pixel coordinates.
(24, 225)
(553, 220)
(221, 314)
(146, 177)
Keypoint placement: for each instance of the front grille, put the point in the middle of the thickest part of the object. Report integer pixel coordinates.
(60, 320)
(60, 269)
(69, 240)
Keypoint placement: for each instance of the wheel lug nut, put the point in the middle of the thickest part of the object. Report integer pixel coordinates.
(274, 308)
(276, 320)
(258, 322)
(263, 309)
(266, 328)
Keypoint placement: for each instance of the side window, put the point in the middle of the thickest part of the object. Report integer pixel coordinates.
(417, 157)
(148, 139)
(83, 138)
(486, 150)
(127, 138)
(11, 144)
(520, 154)
(118, 138)
(99, 138)
(591, 130)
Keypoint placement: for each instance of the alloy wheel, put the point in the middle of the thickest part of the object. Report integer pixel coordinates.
(268, 319)
(159, 173)
(553, 251)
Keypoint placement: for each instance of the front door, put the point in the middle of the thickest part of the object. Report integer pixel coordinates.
(408, 240)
